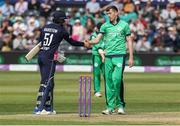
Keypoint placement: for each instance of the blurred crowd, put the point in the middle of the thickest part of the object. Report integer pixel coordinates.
(154, 28)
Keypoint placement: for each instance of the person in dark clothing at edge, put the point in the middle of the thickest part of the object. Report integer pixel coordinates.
(50, 38)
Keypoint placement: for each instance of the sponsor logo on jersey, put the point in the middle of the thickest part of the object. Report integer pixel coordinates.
(95, 64)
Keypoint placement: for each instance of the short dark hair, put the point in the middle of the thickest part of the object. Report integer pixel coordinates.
(112, 7)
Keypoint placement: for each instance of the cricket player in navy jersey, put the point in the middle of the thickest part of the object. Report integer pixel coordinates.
(50, 38)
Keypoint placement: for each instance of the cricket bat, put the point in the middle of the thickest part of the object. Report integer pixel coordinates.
(33, 52)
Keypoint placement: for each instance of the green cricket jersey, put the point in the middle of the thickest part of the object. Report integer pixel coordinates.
(114, 37)
(96, 46)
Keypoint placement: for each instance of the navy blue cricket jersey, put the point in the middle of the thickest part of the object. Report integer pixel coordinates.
(51, 36)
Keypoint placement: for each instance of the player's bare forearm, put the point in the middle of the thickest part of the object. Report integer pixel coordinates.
(130, 46)
(130, 49)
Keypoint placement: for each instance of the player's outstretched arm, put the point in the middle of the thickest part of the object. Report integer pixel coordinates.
(87, 44)
(71, 41)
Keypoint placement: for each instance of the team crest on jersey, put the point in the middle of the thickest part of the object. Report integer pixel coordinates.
(95, 64)
(119, 29)
(119, 64)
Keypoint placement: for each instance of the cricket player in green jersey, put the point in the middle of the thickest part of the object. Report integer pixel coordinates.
(115, 34)
(98, 63)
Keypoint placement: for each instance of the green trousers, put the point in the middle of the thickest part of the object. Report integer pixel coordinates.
(114, 87)
(98, 67)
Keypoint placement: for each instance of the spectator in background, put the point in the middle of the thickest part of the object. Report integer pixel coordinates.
(147, 11)
(34, 5)
(12, 18)
(155, 17)
(71, 14)
(92, 6)
(84, 16)
(45, 8)
(7, 9)
(31, 41)
(148, 8)
(20, 43)
(128, 6)
(172, 40)
(98, 18)
(129, 16)
(90, 24)
(5, 27)
(129, 13)
(143, 44)
(168, 14)
(23, 29)
(173, 5)
(178, 13)
(138, 8)
(133, 26)
(42, 22)
(159, 38)
(141, 25)
(6, 43)
(78, 31)
(177, 22)
(17, 24)
(32, 24)
(21, 7)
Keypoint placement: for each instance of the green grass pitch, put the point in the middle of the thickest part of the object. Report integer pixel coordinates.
(151, 98)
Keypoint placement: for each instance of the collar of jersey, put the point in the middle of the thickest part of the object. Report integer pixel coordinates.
(118, 19)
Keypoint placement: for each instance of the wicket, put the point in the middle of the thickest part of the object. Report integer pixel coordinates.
(84, 82)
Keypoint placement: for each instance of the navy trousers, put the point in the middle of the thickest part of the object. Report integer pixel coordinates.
(47, 70)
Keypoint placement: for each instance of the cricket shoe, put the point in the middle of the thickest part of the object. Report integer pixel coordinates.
(36, 111)
(44, 112)
(98, 94)
(107, 112)
(121, 111)
(49, 109)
